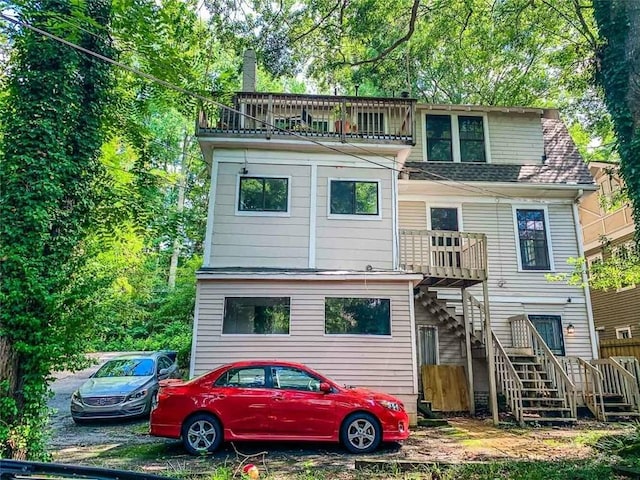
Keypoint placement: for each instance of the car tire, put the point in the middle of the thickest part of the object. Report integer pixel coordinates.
(201, 434)
(360, 433)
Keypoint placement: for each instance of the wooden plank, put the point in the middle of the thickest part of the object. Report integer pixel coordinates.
(623, 347)
(445, 387)
(408, 465)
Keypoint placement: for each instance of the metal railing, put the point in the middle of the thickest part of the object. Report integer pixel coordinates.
(444, 254)
(331, 118)
(588, 381)
(507, 380)
(525, 336)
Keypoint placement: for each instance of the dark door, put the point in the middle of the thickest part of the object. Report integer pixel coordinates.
(550, 329)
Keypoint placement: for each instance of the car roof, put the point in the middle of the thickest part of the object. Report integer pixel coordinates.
(260, 363)
(138, 355)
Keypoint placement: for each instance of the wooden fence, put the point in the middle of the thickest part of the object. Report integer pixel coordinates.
(623, 347)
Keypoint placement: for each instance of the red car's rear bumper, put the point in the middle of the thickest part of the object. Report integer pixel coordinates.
(158, 428)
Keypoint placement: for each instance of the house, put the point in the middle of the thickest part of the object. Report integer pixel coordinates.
(402, 247)
(606, 214)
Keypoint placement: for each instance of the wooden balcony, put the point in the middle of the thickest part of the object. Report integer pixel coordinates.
(322, 117)
(446, 259)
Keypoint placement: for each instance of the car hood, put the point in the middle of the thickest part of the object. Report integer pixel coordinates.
(112, 385)
(365, 393)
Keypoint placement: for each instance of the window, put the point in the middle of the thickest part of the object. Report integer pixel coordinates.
(250, 377)
(354, 197)
(256, 315)
(164, 362)
(533, 240)
(444, 219)
(288, 378)
(471, 139)
(371, 123)
(455, 138)
(624, 332)
(263, 194)
(550, 329)
(439, 140)
(357, 316)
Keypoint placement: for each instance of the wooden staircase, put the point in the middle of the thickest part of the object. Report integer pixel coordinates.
(541, 401)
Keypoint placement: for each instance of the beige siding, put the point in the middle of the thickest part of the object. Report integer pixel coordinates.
(513, 138)
(352, 244)
(383, 363)
(261, 241)
(412, 215)
(613, 310)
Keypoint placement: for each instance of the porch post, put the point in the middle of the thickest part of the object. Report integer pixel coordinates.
(493, 394)
(467, 336)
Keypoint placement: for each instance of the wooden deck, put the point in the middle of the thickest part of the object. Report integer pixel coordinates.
(323, 117)
(446, 259)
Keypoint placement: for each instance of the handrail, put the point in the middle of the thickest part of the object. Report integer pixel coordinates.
(506, 374)
(593, 397)
(617, 380)
(549, 353)
(631, 379)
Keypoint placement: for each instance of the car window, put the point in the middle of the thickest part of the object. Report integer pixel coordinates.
(164, 362)
(127, 367)
(242, 377)
(288, 378)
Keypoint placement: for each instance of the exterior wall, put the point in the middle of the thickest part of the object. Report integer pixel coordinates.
(382, 363)
(513, 292)
(354, 243)
(513, 138)
(288, 241)
(613, 310)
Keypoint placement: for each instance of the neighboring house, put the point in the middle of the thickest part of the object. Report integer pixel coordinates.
(397, 246)
(607, 217)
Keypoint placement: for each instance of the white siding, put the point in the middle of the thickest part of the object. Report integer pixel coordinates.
(261, 241)
(382, 363)
(353, 244)
(412, 215)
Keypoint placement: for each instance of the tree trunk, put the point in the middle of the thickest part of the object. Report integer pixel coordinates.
(177, 242)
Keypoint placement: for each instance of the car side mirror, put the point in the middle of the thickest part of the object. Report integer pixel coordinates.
(325, 387)
(163, 373)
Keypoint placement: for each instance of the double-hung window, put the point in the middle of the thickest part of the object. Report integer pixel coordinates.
(263, 194)
(354, 197)
(533, 239)
(456, 138)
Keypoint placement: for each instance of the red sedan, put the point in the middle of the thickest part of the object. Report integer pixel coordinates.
(272, 400)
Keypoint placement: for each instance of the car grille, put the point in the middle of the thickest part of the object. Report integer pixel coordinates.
(102, 401)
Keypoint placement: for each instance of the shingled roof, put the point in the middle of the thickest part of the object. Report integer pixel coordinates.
(563, 164)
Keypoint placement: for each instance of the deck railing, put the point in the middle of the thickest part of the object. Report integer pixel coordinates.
(588, 382)
(618, 380)
(330, 118)
(439, 253)
(507, 379)
(525, 336)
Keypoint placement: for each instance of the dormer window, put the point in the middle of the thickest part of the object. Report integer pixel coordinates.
(263, 195)
(456, 138)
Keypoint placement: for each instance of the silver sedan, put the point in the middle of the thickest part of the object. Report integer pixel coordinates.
(123, 387)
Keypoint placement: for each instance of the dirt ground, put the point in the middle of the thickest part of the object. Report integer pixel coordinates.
(128, 445)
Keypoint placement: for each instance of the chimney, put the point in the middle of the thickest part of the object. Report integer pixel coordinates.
(249, 71)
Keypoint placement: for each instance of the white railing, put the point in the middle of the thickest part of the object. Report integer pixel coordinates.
(445, 254)
(525, 335)
(618, 380)
(475, 312)
(364, 119)
(588, 381)
(507, 379)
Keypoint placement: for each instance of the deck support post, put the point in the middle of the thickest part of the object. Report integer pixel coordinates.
(488, 338)
(467, 336)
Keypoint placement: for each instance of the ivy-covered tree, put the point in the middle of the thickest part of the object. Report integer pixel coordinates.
(52, 122)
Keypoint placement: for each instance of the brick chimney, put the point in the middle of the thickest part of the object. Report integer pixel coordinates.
(249, 71)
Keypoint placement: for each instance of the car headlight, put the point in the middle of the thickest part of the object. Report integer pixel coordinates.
(395, 406)
(76, 397)
(137, 395)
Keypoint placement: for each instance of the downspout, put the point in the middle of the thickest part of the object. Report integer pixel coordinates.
(585, 278)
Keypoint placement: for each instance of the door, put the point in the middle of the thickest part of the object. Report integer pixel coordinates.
(298, 407)
(428, 348)
(445, 250)
(241, 399)
(550, 329)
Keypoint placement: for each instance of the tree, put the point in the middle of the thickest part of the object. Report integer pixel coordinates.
(49, 168)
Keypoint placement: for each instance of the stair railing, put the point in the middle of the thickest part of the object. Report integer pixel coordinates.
(528, 337)
(476, 314)
(507, 379)
(587, 380)
(617, 380)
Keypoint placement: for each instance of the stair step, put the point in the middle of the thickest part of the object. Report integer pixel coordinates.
(529, 418)
(621, 414)
(536, 380)
(546, 409)
(617, 405)
(541, 390)
(526, 364)
(542, 399)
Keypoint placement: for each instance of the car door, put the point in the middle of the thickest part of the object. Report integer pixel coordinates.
(298, 407)
(242, 400)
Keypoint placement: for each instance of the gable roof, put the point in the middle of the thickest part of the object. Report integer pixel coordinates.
(563, 164)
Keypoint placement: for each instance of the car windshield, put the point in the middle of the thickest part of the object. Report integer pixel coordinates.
(129, 367)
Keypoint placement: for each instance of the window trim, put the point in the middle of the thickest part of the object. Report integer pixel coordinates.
(357, 335)
(455, 136)
(457, 206)
(545, 209)
(623, 329)
(257, 335)
(349, 216)
(258, 213)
